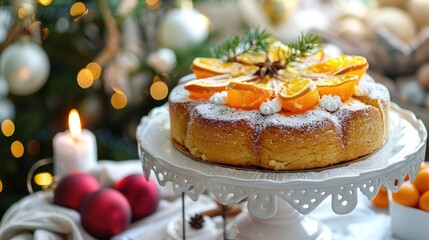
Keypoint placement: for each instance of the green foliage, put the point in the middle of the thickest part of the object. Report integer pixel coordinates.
(307, 45)
(255, 41)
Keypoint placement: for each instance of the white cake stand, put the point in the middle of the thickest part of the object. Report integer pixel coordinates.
(278, 201)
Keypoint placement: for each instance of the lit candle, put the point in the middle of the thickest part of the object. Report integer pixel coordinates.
(75, 149)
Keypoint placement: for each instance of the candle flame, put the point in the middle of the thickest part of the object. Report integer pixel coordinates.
(74, 124)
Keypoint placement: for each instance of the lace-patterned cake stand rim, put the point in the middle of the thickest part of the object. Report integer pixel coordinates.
(402, 154)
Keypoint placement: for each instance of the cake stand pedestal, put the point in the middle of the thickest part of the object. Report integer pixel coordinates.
(278, 201)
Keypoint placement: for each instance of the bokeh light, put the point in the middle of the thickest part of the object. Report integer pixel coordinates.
(22, 13)
(153, 4)
(43, 179)
(45, 2)
(17, 149)
(95, 69)
(45, 33)
(78, 10)
(7, 127)
(33, 147)
(1, 186)
(159, 90)
(85, 78)
(25, 9)
(119, 100)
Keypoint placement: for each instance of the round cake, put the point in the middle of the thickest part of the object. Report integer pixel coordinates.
(288, 120)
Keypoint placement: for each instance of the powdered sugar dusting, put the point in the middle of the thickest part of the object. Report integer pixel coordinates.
(179, 94)
(372, 89)
(221, 113)
(307, 121)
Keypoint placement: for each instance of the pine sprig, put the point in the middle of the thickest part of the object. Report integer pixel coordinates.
(306, 46)
(255, 41)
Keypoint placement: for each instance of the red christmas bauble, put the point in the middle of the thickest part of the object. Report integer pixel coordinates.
(105, 213)
(142, 195)
(72, 189)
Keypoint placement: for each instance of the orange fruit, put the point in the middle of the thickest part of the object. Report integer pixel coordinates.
(344, 64)
(208, 67)
(381, 200)
(407, 195)
(407, 177)
(342, 86)
(205, 88)
(422, 181)
(244, 95)
(424, 165)
(424, 202)
(298, 94)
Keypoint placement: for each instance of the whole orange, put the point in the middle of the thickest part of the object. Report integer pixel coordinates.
(422, 180)
(424, 166)
(424, 202)
(407, 195)
(381, 200)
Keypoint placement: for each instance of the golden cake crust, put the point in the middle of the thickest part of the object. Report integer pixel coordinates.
(314, 139)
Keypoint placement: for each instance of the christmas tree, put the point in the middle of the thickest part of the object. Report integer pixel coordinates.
(113, 61)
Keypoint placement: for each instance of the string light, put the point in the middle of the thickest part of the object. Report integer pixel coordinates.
(78, 10)
(17, 149)
(153, 4)
(43, 179)
(85, 78)
(119, 100)
(45, 33)
(33, 169)
(25, 10)
(45, 2)
(7, 127)
(158, 90)
(95, 70)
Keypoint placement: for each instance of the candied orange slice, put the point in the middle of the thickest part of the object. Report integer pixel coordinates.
(342, 86)
(278, 51)
(298, 94)
(344, 64)
(208, 67)
(316, 57)
(251, 59)
(248, 96)
(205, 88)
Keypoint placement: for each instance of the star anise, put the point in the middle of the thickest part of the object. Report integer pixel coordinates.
(269, 68)
(197, 221)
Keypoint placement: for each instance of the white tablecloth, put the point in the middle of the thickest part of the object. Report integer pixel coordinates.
(35, 217)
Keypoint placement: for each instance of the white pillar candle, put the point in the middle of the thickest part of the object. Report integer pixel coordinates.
(75, 149)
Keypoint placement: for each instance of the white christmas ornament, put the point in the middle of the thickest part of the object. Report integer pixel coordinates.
(25, 65)
(183, 28)
(4, 89)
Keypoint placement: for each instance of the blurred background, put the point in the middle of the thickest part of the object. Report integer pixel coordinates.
(114, 61)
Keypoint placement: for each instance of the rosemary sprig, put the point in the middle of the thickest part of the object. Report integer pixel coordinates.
(307, 45)
(258, 41)
(255, 41)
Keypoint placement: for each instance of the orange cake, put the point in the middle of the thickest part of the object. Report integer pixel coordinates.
(248, 112)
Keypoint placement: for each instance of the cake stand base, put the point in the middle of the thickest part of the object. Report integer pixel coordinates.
(287, 223)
